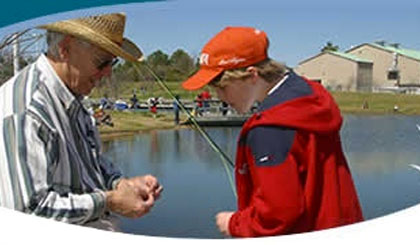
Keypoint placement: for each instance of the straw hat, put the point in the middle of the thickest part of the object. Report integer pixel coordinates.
(104, 31)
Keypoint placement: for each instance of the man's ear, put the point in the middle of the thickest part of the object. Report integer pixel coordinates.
(64, 47)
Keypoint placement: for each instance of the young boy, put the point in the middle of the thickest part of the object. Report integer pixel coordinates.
(291, 173)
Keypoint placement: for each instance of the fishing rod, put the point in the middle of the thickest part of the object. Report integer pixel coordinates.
(225, 159)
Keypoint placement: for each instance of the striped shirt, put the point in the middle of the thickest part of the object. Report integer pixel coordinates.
(50, 157)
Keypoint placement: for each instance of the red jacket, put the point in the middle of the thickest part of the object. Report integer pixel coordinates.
(291, 173)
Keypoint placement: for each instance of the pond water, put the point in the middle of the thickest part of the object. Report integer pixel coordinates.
(379, 150)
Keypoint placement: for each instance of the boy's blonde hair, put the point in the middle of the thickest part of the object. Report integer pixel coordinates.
(270, 70)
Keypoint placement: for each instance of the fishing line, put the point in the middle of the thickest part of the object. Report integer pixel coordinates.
(225, 159)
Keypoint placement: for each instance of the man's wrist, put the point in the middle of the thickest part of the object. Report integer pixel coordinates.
(116, 182)
(99, 201)
(109, 200)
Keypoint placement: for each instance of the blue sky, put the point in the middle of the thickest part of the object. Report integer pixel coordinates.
(297, 29)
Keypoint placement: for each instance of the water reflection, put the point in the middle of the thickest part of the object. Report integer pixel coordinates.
(379, 150)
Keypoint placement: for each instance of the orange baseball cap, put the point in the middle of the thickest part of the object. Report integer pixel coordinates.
(233, 47)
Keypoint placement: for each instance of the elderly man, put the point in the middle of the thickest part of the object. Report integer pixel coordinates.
(51, 162)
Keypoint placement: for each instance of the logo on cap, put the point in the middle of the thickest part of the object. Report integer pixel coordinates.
(204, 59)
(234, 60)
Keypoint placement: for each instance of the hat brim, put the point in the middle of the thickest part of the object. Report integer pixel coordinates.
(128, 50)
(201, 78)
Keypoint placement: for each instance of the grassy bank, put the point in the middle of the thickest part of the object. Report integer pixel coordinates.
(129, 123)
(378, 103)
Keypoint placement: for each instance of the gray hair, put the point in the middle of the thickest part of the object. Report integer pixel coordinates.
(54, 38)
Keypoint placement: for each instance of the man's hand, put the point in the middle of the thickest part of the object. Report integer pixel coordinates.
(222, 222)
(134, 197)
(129, 200)
(146, 184)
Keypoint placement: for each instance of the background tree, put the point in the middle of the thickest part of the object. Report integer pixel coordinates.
(30, 46)
(330, 47)
(6, 64)
(125, 79)
(181, 65)
(159, 62)
(6, 70)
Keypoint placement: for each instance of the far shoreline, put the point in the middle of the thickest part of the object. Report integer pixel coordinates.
(129, 124)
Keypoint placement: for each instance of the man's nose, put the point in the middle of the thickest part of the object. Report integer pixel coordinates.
(104, 73)
(107, 71)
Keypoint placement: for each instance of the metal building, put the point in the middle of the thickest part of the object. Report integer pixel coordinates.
(338, 71)
(393, 66)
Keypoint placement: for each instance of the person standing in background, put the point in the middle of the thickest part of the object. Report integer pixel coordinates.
(176, 109)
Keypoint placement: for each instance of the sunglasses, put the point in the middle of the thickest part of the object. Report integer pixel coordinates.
(102, 65)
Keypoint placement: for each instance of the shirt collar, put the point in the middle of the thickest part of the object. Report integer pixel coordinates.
(278, 84)
(54, 83)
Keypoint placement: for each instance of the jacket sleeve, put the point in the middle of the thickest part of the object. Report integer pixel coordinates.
(36, 148)
(110, 172)
(276, 200)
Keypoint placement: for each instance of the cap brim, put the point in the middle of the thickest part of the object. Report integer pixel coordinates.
(201, 78)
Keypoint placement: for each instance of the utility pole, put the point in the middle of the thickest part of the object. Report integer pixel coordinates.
(16, 54)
